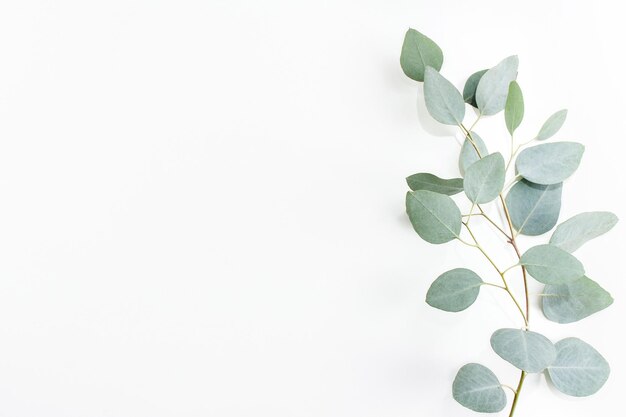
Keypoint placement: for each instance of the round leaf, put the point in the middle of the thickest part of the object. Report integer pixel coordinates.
(469, 90)
(534, 208)
(579, 370)
(552, 125)
(551, 265)
(435, 217)
(567, 303)
(493, 87)
(430, 182)
(529, 351)
(419, 52)
(514, 107)
(454, 290)
(443, 100)
(576, 231)
(549, 163)
(468, 154)
(484, 179)
(478, 389)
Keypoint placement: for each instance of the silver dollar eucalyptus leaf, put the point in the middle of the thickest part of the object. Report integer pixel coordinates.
(514, 107)
(454, 290)
(567, 303)
(579, 370)
(549, 163)
(493, 87)
(534, 208)
(443, 100)
(469, 90)
(435, 217)
(551, 265)
(477, 388)
(430, 182)
(484, 179)
(468, 154)
(419, 52)
(552, 125)
(526, 350)
(576, 231)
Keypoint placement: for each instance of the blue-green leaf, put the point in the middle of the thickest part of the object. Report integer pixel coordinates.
(454, 290)
(514, 107)
(576, 231)
(526, 350)
(579, 370)
(551, 265)
(493, 87)
(419, 52)
(477, 388)
(468, 154)
(435, 217)
(484, 179)
(552, 125)
(567, 303)
(430, 182)
(469, 90)
(443, 100)
(534, 208)
(549, 163)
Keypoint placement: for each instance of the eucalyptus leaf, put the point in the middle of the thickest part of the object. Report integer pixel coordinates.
(435, 217)
(468, 154)
(493, 87)
(469, 90)
(534, 208)
(484, 179)
(514, 107)
(551, 265)
(419, 52)
(477, 388)
(529, 351)
(430, 182)
(454, 290)
(443, 100)
(552, 125)
(549, 163)
(567, 303)
(576, 231)
(579, 370)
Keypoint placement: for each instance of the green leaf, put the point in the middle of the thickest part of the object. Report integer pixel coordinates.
(551, 265)
(454, 290)
(468, 154)
(578, 230)
(435, 217)
(514, 107)
(526, 350)
(477, 388)
(534, 208)
(484, 179)
(419, 52)
(493, 87)
(567, 303)
(549, 163)
(552, 125)
(579, 370)
(443, 100)
(469, 90)
(430, 182)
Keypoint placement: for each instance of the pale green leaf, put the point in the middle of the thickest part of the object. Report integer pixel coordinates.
(549, 163)
(469, 90)
(419, 52)
(484, 179)
(576, 231)
(454, 290)
(477, 388)
(435, 217)
(514, 107)
(430, 182)
(551, 265)
(468, 154)
(534, 208)
(443, 100)
(526, 350)
(493, 87)
(567, 303)
(552, 125)
(579, 370)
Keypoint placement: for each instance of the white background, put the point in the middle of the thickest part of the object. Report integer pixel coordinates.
(201, 204)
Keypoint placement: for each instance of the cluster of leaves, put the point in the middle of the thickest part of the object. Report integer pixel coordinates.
(531, 207)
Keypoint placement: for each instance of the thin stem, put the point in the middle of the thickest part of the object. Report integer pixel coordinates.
(509, 387)
(493, 285)
(517, 393)
(482, 213)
